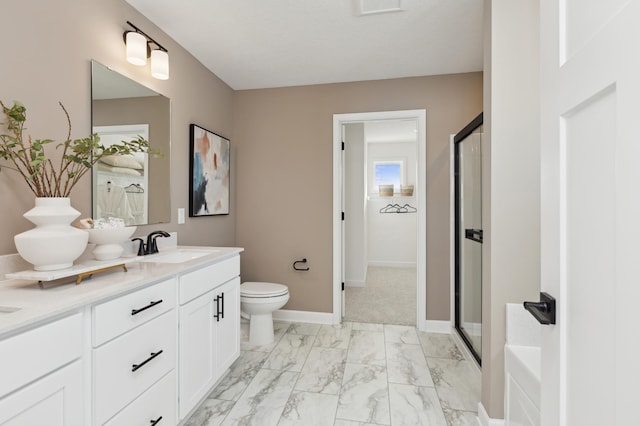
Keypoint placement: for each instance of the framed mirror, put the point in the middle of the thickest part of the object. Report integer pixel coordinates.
(137, 187)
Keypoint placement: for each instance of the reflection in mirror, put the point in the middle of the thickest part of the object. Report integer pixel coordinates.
(132, 187)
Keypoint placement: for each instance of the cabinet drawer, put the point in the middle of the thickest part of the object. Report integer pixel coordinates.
(34, 353)
(195, 283)
(155, 406)
(150, 350)
(117, 316)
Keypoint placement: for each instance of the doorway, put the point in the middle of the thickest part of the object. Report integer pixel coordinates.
(417, 202)
(380, 225)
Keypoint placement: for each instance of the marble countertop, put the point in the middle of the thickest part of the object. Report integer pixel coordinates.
(24, 303)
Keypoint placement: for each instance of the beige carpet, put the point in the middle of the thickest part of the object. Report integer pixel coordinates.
(389, 297)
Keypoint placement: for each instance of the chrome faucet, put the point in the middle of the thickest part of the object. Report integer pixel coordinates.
(151, 246)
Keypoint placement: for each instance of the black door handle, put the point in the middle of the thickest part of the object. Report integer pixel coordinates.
(156, 421)
(544, 310)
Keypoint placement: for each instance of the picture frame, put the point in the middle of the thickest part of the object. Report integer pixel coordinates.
(209, 172)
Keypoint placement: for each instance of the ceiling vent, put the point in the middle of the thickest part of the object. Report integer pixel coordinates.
(372, 7)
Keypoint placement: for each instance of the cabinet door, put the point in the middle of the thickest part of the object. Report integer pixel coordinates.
(54, 400)
(227, 340)
(196, 350)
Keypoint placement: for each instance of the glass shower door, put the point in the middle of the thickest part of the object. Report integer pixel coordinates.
(469, 236)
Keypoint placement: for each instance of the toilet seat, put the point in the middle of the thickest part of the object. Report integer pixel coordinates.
(262, 290)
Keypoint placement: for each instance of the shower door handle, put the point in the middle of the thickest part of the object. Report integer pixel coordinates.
(473, 234)
(544, 310)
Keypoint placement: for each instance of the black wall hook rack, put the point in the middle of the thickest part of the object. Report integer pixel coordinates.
(300, 261)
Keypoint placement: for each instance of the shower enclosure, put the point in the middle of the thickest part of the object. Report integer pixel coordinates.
(468, 235)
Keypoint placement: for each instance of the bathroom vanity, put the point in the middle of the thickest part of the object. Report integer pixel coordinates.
(139, 347)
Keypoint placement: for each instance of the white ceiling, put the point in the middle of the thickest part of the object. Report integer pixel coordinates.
(253, 44)
(391, 131)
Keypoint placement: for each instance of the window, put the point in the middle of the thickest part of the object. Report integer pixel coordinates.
(388, 172)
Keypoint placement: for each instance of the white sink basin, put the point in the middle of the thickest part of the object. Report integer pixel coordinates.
(177, 256)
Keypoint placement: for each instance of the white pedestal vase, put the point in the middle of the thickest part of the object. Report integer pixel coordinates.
(53, 244)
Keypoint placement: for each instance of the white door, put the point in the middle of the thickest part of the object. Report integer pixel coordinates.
(590, 93)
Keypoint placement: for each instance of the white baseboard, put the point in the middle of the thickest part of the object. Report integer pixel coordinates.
(303, 316)
(392, 264)
(485, 420)
(354, 283)
(431, 326)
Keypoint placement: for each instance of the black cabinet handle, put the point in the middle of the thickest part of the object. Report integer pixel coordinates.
(222, 299)
(217, 314)
(150, 305)
(544, 310)
(156, 421)
(134, 367)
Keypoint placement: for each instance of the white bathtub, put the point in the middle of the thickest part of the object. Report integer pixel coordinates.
(522, 367)
(522, 385)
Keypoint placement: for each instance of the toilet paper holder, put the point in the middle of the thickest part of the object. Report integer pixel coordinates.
(300, 261)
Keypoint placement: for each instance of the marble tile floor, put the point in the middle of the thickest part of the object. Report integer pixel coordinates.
(353, 374)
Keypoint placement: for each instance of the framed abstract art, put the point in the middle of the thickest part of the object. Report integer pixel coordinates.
(209, 169)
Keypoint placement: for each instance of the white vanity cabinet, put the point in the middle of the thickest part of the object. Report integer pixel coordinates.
(134, 357)
(41, 375)
(209, 335)
(106, 353)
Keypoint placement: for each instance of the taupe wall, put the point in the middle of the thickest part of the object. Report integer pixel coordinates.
(284, 185)
(511, 180)
(46, 57)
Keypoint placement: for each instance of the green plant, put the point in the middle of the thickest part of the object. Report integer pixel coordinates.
(49, 177)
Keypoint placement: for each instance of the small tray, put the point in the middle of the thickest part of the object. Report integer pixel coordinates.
(87, 268)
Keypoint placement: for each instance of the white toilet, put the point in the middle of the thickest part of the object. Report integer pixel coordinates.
(259, 300)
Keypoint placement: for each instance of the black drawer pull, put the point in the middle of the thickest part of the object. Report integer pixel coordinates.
(150, 305)
(134, 367)
(156, 421)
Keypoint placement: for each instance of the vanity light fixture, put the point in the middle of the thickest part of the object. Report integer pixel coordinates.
(160, 64)
(136, 48)
(139, 49)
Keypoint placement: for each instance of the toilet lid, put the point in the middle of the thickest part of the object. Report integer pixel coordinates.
(259, 289)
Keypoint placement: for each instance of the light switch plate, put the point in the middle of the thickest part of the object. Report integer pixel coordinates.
(180, 216)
